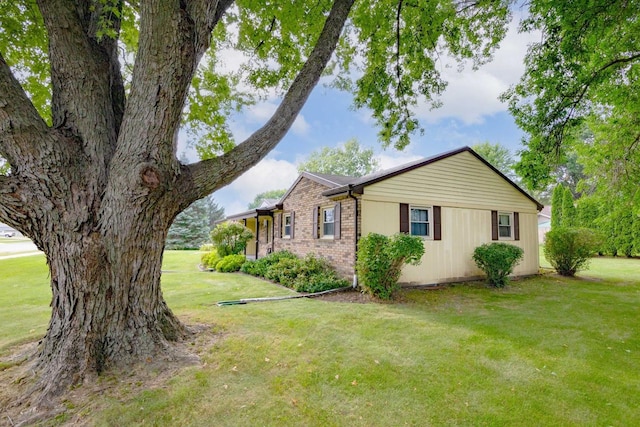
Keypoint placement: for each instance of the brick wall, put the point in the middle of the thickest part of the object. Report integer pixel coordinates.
(302, 199)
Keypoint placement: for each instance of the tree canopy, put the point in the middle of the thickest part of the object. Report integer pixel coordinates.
(349, 159)
(584, 71)
(499, 156)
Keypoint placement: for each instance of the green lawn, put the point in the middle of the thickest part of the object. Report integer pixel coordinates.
(544, 351)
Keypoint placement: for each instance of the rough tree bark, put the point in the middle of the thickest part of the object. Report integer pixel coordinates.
(98, 190)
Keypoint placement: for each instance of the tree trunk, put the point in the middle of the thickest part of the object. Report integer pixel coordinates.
(105, 265)
(98, 190)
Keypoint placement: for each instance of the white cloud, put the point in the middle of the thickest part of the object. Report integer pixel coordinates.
(269, 174)
(262, 111)
(473, 95)
(396, 159)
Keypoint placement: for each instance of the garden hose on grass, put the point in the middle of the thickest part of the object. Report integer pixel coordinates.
(248, 300)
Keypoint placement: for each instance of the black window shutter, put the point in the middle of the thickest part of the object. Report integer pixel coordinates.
(404, 218)
(437, 224)
(336, 221)
(280, 224)
(516, 226)
(494, 225)
(314, 229)
(293, 214)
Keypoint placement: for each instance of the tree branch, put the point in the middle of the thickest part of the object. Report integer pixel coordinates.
(173, 36)
(20, 123)
(207, 176)
(205, 15)
(88, 93)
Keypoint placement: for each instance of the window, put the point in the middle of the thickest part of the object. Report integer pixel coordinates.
(421, 222)
(505, 224)
(286, 221)
(327, 222)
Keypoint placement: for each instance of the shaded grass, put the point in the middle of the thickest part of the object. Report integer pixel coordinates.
(543, 351)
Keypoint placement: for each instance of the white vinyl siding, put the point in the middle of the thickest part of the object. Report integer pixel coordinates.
(461, 181)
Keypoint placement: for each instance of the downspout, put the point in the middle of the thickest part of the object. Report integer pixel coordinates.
(257, 232)
(355, 237)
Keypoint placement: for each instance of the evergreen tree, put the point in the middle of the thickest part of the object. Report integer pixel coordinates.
(587, 212)
(191, 228)
(556, 206)
(216, 212)
(568, 209)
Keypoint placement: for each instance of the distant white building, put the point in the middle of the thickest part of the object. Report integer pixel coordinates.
(544, 222)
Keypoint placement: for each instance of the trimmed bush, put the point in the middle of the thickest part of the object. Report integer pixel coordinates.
(497, 260)
(230, 263)
(210, 259)
(380, 261)
(568, 249)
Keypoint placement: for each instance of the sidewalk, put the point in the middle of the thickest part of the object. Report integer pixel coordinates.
(20, 255)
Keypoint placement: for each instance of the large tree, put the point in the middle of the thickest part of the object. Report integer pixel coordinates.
(90, 135)
(584, 70)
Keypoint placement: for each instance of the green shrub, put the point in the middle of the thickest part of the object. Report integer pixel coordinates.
(319, 282)
(497, 260)
(309, 274)
(284, 271)
(206, 247)
(210, 259)
(230, 263)
(230, 238)
(259, 267)
(380, 261)
(568, 249)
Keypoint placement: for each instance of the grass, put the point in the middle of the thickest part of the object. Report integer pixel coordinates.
(543, 351)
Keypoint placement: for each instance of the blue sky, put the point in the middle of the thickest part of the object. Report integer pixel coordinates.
(471, 113)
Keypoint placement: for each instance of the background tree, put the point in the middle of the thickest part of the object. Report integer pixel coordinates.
(94, 179)
(556, 205)
(349, 159)
(191, 228)
(271, 194)
(499, 157)
(568, 209)
(216, 212)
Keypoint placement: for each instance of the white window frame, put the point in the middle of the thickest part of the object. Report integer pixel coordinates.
(323, 222)
(286, 216)
(429, 221)
(511, 231)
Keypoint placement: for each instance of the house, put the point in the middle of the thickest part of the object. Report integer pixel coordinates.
(544, 222)
(455, 201)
